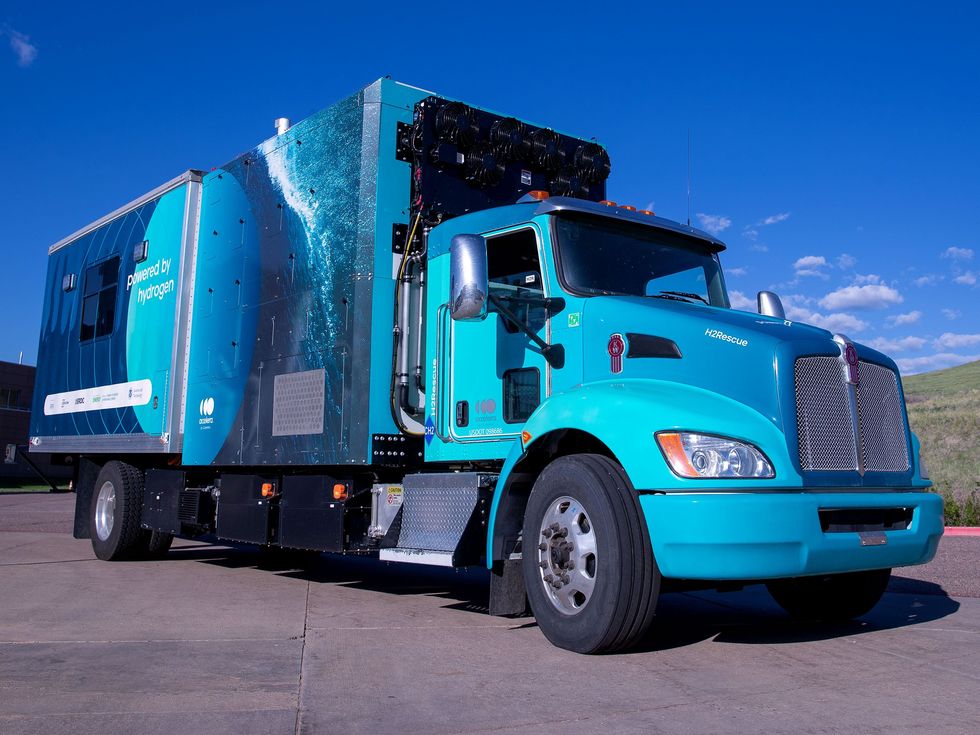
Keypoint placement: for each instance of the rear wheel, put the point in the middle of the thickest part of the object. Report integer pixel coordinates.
(117, 504)
(832, 597)
(588, 564)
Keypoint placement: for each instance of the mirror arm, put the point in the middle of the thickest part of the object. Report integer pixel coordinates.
(554, 354)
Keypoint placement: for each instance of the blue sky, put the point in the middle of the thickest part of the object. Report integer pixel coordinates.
(836, 149)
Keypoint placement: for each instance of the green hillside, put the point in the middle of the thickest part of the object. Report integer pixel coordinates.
(944, 411)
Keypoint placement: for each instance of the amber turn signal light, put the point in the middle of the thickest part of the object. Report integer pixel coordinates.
(340, 491)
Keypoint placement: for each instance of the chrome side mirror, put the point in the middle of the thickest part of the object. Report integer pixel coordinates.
(468, 287)
(770, 305)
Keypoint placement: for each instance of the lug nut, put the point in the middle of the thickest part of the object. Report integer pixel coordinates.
(565, 578)
(543, 564)
(542, 546)
(547, 533)
(569, 564)
(548, 577)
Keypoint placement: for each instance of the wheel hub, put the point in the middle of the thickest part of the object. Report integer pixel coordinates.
(105, 510)
(567, 555)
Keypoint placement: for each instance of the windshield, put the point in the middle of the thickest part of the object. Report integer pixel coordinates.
(599, 256)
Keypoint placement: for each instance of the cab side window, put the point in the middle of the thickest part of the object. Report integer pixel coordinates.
(514, 275)
(99, 299)
(512, 262)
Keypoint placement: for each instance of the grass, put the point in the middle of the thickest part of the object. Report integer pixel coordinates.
(944, 411)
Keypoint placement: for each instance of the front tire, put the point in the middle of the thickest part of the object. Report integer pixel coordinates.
(591, 578)
(832, 597)
(117, 504)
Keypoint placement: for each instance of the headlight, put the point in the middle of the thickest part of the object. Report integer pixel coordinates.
(701, 455)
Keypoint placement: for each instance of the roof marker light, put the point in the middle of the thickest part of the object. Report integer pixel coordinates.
(647, 211)
(627, 207)
(608, 203)
(538, 194)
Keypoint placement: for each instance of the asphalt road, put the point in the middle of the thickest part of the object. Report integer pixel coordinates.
(220, 640)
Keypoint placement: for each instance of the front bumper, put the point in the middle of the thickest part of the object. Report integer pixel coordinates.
(767, 535)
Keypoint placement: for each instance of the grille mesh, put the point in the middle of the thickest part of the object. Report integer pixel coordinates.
(880, 408)
(824, 422)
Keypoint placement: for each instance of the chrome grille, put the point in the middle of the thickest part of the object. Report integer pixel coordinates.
(835, 423)
(882, 425)
(823, 415)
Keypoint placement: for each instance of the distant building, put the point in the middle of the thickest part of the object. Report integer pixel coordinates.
(16, 392)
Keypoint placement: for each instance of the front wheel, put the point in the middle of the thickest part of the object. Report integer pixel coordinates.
(832, 597)
(588, 564)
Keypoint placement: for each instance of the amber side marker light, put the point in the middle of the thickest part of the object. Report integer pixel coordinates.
(340, 491)
(674, 449)
(538, 194)
(268, 489)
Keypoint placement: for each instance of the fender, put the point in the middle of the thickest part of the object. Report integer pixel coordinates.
(622, 417)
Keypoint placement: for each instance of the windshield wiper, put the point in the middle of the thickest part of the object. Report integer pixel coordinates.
(687, 295)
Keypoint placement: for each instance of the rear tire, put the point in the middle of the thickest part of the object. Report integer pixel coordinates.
(117, 504)
(594, 585)
(832, 597)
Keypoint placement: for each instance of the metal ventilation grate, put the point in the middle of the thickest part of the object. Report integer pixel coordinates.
(838, 425)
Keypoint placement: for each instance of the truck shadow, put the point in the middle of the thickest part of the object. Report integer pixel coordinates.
(748, 616)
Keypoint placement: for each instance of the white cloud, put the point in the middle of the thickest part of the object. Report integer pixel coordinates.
(968, 279)
(930, 280)
(741, 302)
(760, 248)
(845, 261)
(736, 271)
(902, 344)
(899, 319)
(950, 341)
(21, 45)
(836, 322)
(773, 219)
(952, 313)
(750, 232)
(714, 223)
(811, 265)
(872, 296)
(955, 253)
(912, 365)
(860, 279)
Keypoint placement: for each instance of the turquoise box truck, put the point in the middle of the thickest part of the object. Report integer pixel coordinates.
(415, 329)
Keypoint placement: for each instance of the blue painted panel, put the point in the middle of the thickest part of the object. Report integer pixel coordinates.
(139, 345)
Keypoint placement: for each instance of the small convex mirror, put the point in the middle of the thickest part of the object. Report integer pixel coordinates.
(770, 305)
(468, 277)
(68, 282)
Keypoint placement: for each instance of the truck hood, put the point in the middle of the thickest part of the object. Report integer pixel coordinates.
(747, 357)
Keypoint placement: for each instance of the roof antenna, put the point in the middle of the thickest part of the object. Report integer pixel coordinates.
(688, 177)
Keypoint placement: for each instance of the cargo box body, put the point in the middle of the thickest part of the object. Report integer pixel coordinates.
(267, 336)
(113, 331)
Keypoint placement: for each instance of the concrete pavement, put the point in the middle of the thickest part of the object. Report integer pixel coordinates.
(217, 639)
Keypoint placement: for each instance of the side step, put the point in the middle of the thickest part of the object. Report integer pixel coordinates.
(444, 519)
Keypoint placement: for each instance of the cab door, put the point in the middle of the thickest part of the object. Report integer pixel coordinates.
(498, 375)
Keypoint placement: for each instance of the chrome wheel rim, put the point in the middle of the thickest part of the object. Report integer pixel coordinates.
(567, 555)
(105, 510)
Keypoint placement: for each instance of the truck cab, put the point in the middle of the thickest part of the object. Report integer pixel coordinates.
(586, 338)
